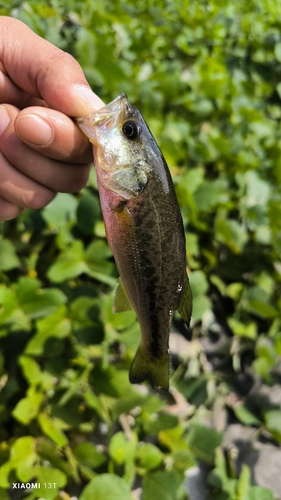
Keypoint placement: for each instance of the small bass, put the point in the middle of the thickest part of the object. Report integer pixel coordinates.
(144, 230)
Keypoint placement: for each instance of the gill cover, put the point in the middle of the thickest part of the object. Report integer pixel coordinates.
(116, 131)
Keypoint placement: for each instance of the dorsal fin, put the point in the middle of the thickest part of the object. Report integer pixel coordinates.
(185, 307)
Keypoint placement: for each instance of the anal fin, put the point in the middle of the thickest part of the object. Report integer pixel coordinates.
(121, 300)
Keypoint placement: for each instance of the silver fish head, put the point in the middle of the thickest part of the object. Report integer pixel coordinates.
(122, 146)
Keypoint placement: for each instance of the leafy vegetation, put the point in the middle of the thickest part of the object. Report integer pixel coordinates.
(206, 76)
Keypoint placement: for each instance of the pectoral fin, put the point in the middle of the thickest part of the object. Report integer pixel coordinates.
(121, 301)
(185, 307)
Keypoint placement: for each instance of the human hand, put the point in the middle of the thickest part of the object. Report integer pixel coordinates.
(42, 151)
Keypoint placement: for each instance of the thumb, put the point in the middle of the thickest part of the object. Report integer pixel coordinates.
(44, 71)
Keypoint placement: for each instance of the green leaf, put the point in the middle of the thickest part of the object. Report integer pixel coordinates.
(260, 493)
(88, 455)
(69, 264)
(199, 286)
(161, 484)
(106, 487)
(258, 302)
(126, 404)
(198, 283)
(148, 456)
(9, 307)
(246, 416)
(243, 330)
(193, 179)
(234, 290)
(88, 212)
(161, 422)
(31, 369)
(266, 357)
(173, 438)
(262, 309)
(244, 482)
(61, 211)
(85, 46)
(28, 407)
(112, 382)
(273, 423)
(94, 402)
(206, 196)
(50, 452)
(36, 302)
(56, 325)
(199, 306)
(23, 452)
(231, 233)
(121, 449)
(51, 480)
(80, 309)
(96, 258)
(74, 260)
(5, 471)
(183, 460)
(108, 65)
(204, 441)
(218, 477)
(258, 190)
(51, 429)
(8, 256)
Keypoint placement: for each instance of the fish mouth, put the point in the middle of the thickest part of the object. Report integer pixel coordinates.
(108, 116)
(89, 123)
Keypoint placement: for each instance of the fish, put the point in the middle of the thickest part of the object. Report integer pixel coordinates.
(145, 232)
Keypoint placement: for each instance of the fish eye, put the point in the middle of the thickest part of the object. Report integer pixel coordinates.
(131, 130)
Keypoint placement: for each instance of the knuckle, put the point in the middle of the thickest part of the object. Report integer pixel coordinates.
(40, 198)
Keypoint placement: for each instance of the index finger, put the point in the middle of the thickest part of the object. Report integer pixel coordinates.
(44, 71)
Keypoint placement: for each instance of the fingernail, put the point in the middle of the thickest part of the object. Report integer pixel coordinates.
(4, 119)
(91, 100)
(34, 129)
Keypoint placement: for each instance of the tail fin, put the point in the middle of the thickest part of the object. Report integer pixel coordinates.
(155, 371)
